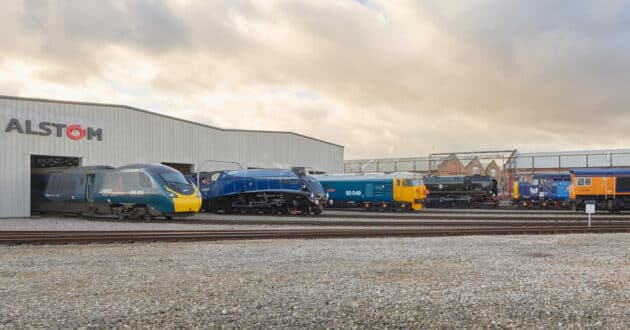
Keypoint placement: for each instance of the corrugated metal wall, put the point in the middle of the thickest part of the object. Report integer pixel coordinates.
(571, 159)
(131, 136)
(418, 164)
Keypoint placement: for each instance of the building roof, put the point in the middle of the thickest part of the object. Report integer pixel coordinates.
(366, 176)
(553, 176)
(19, 98)
(573, 152)
(601, 172)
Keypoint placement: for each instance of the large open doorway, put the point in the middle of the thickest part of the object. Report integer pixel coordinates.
(41, 165)
(182, 167)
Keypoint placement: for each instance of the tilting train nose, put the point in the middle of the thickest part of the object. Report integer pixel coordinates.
(187, 204)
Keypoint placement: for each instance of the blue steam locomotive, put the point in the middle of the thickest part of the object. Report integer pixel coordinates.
(143, 190)
(260, 191)
(544, 190)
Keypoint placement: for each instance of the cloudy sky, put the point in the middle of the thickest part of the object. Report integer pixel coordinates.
(383, 78)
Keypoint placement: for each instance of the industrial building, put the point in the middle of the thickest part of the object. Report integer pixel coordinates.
(507, 166)
(47, 133)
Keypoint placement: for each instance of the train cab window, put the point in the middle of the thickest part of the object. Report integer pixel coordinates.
(145, 181)
(409, 183)
(584, 181)
(215, 176)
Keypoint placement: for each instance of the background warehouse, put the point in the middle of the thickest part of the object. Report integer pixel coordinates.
(131, 135)
(507, 166)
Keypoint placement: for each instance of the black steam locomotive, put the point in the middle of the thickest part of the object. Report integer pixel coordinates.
(459, 191)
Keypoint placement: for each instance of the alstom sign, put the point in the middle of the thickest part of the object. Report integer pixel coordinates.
(44, 128)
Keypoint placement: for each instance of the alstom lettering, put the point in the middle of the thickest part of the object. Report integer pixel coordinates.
(73, 131)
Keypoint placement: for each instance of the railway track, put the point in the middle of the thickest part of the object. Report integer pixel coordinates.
(385, 222)
(485, 211)
(469, 216)
(346, 218)
(74, 237)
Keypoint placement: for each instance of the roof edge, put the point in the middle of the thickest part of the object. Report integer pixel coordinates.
(113, 105)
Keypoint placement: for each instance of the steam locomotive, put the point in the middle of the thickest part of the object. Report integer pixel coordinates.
(459, 191)
(260, 191)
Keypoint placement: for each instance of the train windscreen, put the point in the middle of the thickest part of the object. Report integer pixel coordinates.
(177, 182)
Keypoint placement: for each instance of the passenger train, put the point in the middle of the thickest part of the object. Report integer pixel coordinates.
(142, 190)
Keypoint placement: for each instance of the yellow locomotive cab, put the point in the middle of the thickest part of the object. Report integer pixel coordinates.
(186, 203)
(410, 191)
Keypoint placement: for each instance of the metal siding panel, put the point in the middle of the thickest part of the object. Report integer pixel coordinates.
(573, 161)
(598, 161)
(621, 160)
(547, 162)
(386, 166)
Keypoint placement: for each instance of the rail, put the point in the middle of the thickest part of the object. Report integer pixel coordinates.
(74, 237)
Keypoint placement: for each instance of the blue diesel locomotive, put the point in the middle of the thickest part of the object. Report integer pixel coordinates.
(375, 192)
(260, 191)
(545, 190)
(144, 190)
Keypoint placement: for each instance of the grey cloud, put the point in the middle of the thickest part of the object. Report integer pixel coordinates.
(73, 37)
(409, 76)
(145, 24)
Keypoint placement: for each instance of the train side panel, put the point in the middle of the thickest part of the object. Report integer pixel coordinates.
(59, 192)
(358, 192)
(132, 189)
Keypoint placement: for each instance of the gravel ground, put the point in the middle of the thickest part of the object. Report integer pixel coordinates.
(568, 281)
(67, 224)
(77, 224)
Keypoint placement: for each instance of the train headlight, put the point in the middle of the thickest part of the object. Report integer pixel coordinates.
(198, 193)
(171, 195)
